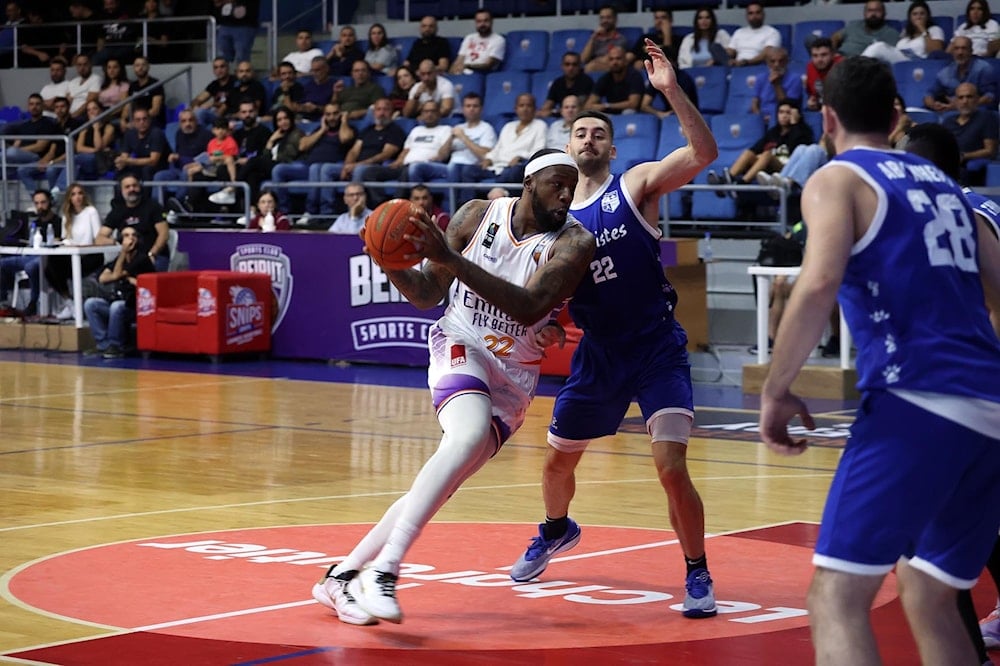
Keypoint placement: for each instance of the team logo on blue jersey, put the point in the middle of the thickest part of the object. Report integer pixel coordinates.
(610, 201)
(270, 259)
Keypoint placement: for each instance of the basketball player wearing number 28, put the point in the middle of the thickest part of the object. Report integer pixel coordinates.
(508, 264)
(916, 488)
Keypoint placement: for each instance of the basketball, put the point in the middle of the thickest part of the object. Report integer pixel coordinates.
(384, 231)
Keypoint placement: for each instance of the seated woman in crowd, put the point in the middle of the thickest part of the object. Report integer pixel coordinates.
(920, 38)
(80, 226)
(705, 46)
(770, 153)
(897, 138)
(400, 93)
(381, 55)
(266, 216)
(114, 88)
(980, 27)
(95, 154)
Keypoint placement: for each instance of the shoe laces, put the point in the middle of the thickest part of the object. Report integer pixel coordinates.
(697, 583)
(386, 583)
(537, 546)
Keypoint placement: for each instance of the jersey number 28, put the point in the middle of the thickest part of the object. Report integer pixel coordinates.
(950, 221)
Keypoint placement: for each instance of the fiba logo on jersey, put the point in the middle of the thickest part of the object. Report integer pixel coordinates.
(272, 260)
(610, 201)
(491, 235)
(457, 355)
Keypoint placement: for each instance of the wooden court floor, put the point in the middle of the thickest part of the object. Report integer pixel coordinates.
(153, 516)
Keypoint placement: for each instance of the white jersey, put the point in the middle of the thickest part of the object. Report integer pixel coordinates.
(495, 247)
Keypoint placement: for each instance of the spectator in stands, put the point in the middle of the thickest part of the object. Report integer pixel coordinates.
(662, 35)
(114, 87)
(327, 145)
(317, 90)
(821, 60)
(964, 68)
(470, 141)
(429, 46)
(920, 37)
(190, 141)
(81, 13)
(158, 34)
(378, 143)
(51, 166)
(95, 155)
(289, 93)
(404, 79)
(251, 138)
(152, 98)
(519, 139)
(656, 103)
(144, 148)
(975, 129)
(221, 159)
(57, 86)
(856, 36)
(421, 196)
(81, 225)
(558, 133)
(29, 151)
(237, 22)
(84, 87)
(706, 45)
(118, 36)
(802, 163)
(595, 51)
(619, 90)
(770, 153)
(481, 51)
(344, 52)
(980, 27)
(351, 221)
(897, 138)
(304, 54)
(432, 87)
(422, 144)
(779, 85)
(572, 82)
(248, 87)
(10, 266)
(749, 45)
(112, 314)
(39, 41)
(135, 209)
(381, 56)
(356, 99)
(267, 216)
(213, 102)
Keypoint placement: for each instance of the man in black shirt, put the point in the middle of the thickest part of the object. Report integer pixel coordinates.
(429, 47)
(572, 82)
(134, 209)
(252, 141)
(213, 102)
(248, 87)
(152, 99)
(28, 151)
(344, 53)
(144, 148)
(52, 165)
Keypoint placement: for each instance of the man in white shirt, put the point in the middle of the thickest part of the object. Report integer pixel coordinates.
(470, 142)
(432, 87)
(58, 86)
(85, 87)
(559, 131)
(519, 139)
(302, 58)
(749, 44)
(351, 221)
(481, 51)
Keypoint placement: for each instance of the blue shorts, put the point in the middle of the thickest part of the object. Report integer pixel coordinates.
(604, 379)
(913, 484)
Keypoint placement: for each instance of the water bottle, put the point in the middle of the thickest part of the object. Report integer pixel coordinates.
(267, 224)
(706, 248)
(34, 235)
(50, 235)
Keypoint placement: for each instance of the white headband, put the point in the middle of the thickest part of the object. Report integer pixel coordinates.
(551, 159)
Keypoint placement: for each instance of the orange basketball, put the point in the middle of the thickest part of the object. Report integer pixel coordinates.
(384, 230)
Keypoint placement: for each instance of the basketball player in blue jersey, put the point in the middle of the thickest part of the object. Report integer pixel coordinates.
(916, 488)
(632, 346)
(937, 144)
(507, 264)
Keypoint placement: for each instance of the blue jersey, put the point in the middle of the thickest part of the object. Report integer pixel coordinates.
(626, 294)
(986, 207)
(911, 292)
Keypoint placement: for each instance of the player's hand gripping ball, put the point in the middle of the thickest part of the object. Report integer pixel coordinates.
(384, 231)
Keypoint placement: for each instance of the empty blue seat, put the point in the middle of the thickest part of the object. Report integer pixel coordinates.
(561, 41)
(712, 84)
(465, 83)
(914, 78)
(527, 50)
(735, 132)
(742, 82)
(501, 91)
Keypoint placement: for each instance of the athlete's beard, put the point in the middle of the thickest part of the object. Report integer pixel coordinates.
(545, 219)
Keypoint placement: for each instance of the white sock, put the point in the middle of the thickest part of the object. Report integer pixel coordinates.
(372, 542)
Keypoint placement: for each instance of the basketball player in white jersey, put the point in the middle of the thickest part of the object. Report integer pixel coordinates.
(508, 263)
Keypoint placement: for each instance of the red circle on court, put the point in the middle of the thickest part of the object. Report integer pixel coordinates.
(619, 586)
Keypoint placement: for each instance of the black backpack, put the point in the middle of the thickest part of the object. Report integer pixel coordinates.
(779, 250)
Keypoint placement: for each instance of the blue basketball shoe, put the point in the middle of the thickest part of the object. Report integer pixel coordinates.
(541, 550)
(700, 599)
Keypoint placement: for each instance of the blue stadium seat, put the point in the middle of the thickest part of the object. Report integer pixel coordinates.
(993, 174)
(671, 138)
(561, 41)
(501, 90)
(631, 34)
(741, 87)
(527, 50)
(785, 30)
(797, 49)
(540, 82)
(815, 120)
(713, 86)
(403, 46)
(736, 132)
(386, 82)
(922, 116)
(641, 126)
(455, 43)
(915, 77)
(707, 205)
(465, 83)
(631, 150)
(947, 24)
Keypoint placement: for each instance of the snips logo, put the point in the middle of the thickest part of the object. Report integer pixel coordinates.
(244, 316)
(269, 259)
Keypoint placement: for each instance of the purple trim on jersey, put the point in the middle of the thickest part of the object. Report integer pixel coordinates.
(452, 385)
